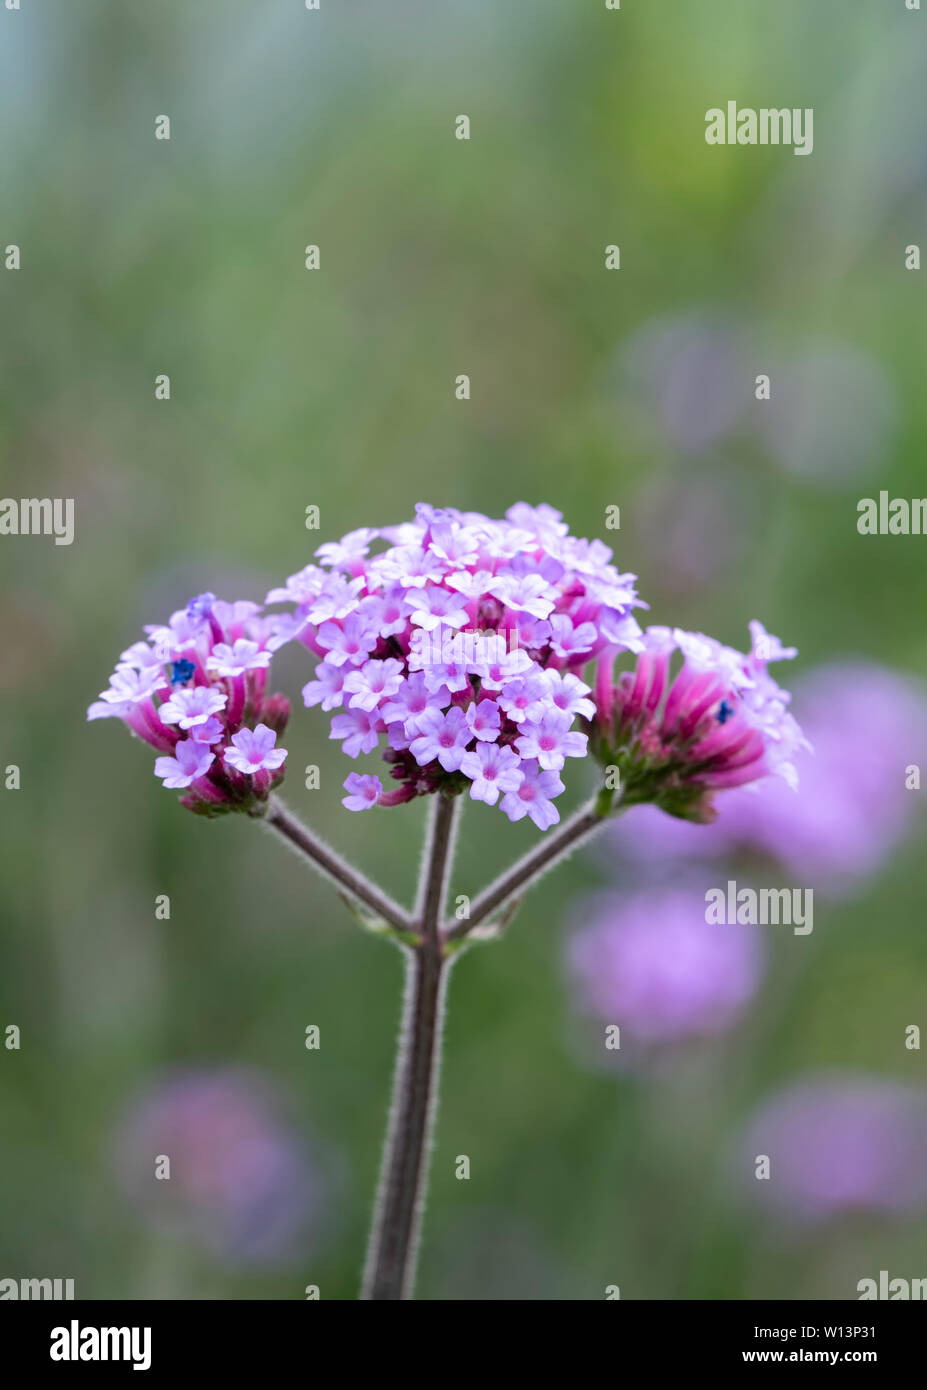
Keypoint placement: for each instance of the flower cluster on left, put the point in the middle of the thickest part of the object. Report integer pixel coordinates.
(196, 691)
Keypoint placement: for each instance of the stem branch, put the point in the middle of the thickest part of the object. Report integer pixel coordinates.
(526, 871)
(332, 866)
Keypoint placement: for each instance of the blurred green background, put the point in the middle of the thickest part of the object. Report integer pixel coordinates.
(336, 388)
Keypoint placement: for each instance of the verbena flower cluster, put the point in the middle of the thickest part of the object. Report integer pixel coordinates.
(460, 643)
(854, 810)
(195, 690)
(721, 722)
(456, 645)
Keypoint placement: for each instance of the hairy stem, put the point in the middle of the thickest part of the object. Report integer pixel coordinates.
(391, 1256)
(333, 867)
(526, 871)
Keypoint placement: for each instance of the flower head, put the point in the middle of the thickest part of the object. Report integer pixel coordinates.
(453, 634)
(838, 1144)
(722, 721)
(650, 964)
(854, 809)
(196, 691)
(245, 1188)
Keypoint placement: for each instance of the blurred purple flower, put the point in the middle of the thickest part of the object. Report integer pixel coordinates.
(688, 369)
(838, 1144)
(833, 409)
(832, 414)
(677, 514)
(241, 1185)
(652, 965)
(867, 725)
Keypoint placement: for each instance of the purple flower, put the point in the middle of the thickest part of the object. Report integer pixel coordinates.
(200, 608)
(210, 659)
(568, 641)
(472, 585)
(653, 966)
(526, 697)
(336, 598)
(128, 684)
(492, 769)
(414, 567)
(179, 635)
(412, 700)
(242, 1186)
(433, 607)
(527, 593)
(533, 797)
(390, 612)
(372, 682)
(837, 1144)
(495, 672)
(452, 676)
(532, 632)
(237, 619)
(834, 415)
(254, 751)
(680, 371)
(360, 730)
(544, 525)
(326, 689)
(101, 709)
(455, 543)
(483, 720)
(441, 736)
(140, 655)
(238, 658)
(191, 706)
(210, 732)
(550, 741)
(445, 613)
(722, 722)
(352, 642)
(363, 791)
(854, 808)
(568, 693)
(191, 760)
(353, 546)
(765, 647)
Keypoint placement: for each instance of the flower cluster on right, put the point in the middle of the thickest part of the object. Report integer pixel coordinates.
(722, 722)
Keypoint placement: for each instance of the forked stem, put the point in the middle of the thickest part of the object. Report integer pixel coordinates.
(330, 864)
(391, 1256)
(532, 866)
(389, 1273)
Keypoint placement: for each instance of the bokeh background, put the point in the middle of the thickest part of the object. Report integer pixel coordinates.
(335, 388)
